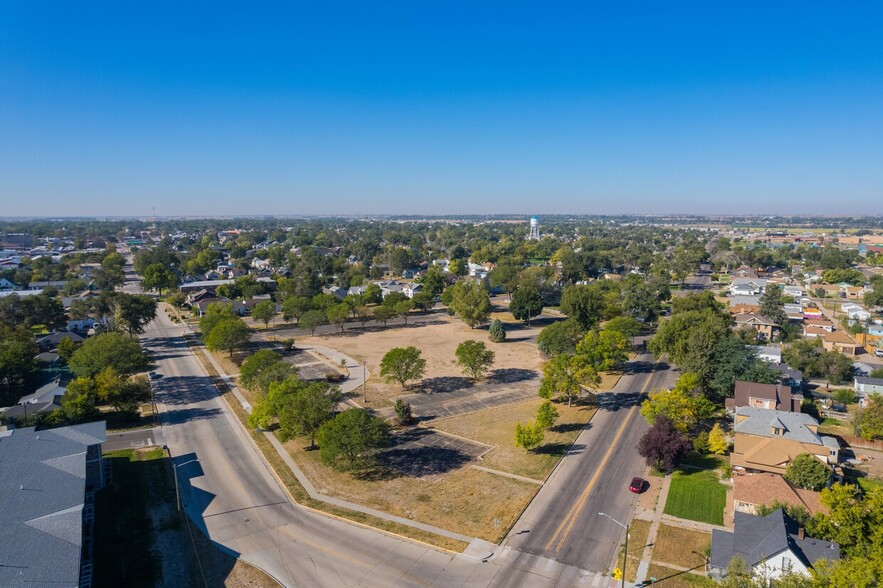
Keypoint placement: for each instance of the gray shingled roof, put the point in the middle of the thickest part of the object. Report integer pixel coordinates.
(869, 381)
(42, 490)
(755, 538)
(759, 423)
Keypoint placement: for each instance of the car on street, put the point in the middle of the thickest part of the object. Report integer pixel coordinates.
(637, 485)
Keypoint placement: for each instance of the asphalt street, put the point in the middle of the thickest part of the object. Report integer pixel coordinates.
(562, 523)
(229, 492)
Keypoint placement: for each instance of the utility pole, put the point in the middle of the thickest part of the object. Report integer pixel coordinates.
(625, 551)
(365, 380)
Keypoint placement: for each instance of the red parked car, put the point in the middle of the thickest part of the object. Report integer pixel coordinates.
(637, 485)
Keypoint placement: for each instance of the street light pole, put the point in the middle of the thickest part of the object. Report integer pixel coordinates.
(625, 552)
(365, 380)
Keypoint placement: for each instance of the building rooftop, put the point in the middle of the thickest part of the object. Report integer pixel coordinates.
(795, 425)
(42, 490)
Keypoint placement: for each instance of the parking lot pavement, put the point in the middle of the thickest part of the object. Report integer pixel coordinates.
(435, 406)
(429, 454)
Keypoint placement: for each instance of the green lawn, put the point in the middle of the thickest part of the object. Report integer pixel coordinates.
(123, 529)
(698, 496)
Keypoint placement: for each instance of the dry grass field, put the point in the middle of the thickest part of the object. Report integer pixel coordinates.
(496, 426)
(437, 342)
(676, 546)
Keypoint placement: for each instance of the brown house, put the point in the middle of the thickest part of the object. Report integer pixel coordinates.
(840, 341)
(769, 396)
(766, 329)
(754, 490)
(768, 440)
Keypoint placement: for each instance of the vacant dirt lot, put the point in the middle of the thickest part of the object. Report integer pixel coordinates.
(437, 341)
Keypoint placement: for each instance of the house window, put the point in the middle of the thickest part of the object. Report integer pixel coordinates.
(786, 564)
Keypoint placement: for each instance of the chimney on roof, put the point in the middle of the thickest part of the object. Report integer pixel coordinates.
(801, 534)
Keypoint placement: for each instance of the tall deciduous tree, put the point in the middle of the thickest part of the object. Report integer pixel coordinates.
(264, 311)
(350, 440)
(19, 371)
(312, 320)
(159, 277)
(560, 338)
(807, 471)
(117, 350)
(309, 406)
(772, 304)
(584, 304)
(529, 436)
(402, 365)
(475, 358)
(229, 335)
(683, 406)
(607, 350)
(294, 307)
(566, 376)
(471, 303)
(526, 303)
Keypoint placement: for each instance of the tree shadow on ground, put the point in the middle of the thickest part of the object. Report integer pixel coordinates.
(644, 367)
(418, 462)
(613, 401)
(569, 427)
(443, 384)
(511, 375)
(559, 449)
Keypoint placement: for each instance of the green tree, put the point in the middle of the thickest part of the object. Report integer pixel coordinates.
(528, 436)
(229, 335)
(123, 394)
(294, 307)
(433, 281)
(585, 304)
(625, 325)
(404, 412)
(270, 404)
(350, 440)
(547, 414)
(868, 421)
(309, 407)
(690, 340)
(475, 358)
(772, 304)
(78, 402)
(262, 368)
(402, 365)
(471, 303)
(384, 314)
(337, 315)
(264, 311)
(526, 303)
(312, 320)
(423, 301)
(132, 312)
(496, 333)
(683, 406)
(19, 371)
(117, 350)
(214, 314)
(159, 277)
(807, 471)
(717, 440)
(733, 360)
(566, 376)
(560, 338)
(402, 309)
(607, 350)
(66, 348)
(854, 521)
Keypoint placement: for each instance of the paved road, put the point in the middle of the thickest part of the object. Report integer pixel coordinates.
(133, 439)
(563, 523)
(229, 492)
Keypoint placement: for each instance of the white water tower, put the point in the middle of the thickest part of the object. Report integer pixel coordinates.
(534, 229)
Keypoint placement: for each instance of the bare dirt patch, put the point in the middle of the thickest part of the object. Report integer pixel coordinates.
(437, 342)
(496, 426)
(680, 547)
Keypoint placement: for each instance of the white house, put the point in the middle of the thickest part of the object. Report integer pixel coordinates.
(410, 289)
(770, 354)
(864, 387)
(770, 545)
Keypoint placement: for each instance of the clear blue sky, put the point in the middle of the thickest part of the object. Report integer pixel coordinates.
(440, 107)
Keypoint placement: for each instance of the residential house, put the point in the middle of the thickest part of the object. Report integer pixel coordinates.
(356, 291)
(768, 440)
(201, 306)
(8, 286)
(819, 323)
(335, 291)
(795, 292)
(812, 312)
(790, 377)
(747, 286)
(48, 481)
(744, 301)
(84, 326)
(389, 286)
(410, 289)
(211, 285)
(51, 341)
(769, 354)
(772, 546)
(753, 490)
(864, 387)
(840, 341)
(854, 292)
(42, 285)
(768, 396)
(765, 328)
(812, 332)
(45, 399)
